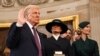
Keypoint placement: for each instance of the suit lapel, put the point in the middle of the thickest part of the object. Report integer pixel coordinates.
(52, 39)
(59, 44)
(29, 32)
(55, 42)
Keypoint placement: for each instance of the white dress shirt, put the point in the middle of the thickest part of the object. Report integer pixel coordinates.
(56, 36)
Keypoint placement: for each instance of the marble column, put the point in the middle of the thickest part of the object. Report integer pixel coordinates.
(95, 21)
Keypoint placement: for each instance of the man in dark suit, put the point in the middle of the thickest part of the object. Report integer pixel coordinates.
(23, 39)
(56, 44)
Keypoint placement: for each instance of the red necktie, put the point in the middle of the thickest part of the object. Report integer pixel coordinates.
(36, 37)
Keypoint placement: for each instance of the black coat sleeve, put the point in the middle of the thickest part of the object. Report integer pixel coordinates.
(96, 49)
(71, 51)
(13, 37)
(74, 49)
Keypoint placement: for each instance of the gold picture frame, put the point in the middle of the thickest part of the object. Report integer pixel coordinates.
(74, 18)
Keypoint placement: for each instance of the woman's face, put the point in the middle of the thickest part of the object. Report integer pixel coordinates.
(76, 36)
(86, 30)
(68, 33)
(56, 29)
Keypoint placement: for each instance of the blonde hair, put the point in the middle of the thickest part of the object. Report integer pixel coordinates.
(27, 8)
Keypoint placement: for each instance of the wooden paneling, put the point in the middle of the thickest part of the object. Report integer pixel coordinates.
(3, 35)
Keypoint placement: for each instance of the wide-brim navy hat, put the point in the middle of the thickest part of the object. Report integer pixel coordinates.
(56, 22)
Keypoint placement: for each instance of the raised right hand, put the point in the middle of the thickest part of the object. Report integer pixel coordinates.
(21, 20)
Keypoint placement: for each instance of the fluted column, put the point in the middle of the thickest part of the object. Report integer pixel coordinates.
(95, 20)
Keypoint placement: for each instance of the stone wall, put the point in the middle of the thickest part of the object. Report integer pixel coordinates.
(54, 9)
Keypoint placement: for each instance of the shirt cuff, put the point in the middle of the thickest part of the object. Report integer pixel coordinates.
(19, 25)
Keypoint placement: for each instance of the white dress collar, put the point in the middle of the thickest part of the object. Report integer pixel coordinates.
(56, 36)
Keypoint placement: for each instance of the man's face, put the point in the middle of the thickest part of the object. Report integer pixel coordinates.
(34, 16)
(56, 29)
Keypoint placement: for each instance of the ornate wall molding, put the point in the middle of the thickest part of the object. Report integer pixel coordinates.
(11, 3)
(43, 1)
(24, 2)
(8, 3)
(27, 2)
(38, 1)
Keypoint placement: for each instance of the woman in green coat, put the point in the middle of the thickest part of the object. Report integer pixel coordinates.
(85, 46)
